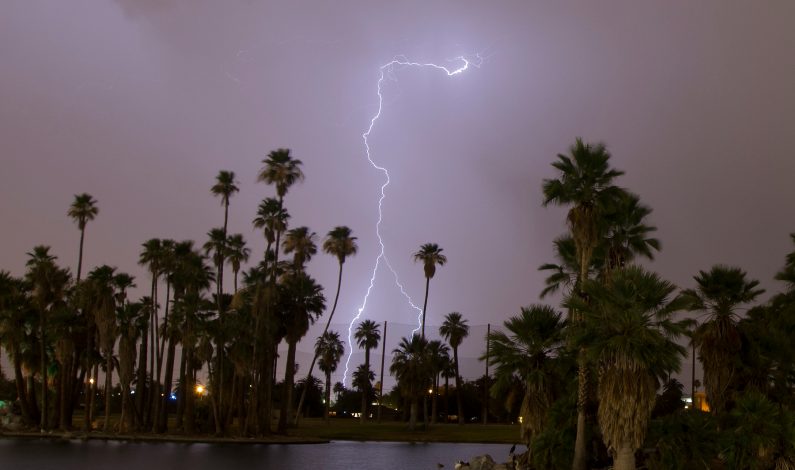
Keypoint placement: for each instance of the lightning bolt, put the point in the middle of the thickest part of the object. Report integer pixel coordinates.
(387, 70)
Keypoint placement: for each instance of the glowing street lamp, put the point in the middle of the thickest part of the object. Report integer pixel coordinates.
(200, 389)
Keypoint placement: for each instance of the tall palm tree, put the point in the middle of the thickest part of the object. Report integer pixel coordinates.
(629, 329)
(49, 285)
(719, 293)
(238, 253)
(585, 184)
(281, 170)
(329, 350)
(83, 210)
(103, 295)
(152, 257)
(431, 255)
(367, 335)
(454, 329)
(341, 244)
(302, 302)
(129, 318)
(225, 186)
(529, 351)
(410, 368)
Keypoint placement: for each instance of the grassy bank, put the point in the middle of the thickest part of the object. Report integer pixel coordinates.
(313, 430)
(350, 429)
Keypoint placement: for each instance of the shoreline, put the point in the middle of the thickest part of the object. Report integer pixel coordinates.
(165, 438)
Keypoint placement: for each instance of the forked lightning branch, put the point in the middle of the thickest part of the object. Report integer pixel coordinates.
(388, 70)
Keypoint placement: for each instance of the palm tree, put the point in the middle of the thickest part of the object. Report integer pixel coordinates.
(341, 244)
(301, 242)
(49, 285)
(272, 218)
(15, 319)
(329, 350)
(129, 318)
(719, 293)
(629, 332)
(153, 257)
(627, 235)
(454, 329)
(302, 302)
(367, 336)
(585, 184)
(225, 186)
(238, 253)
(103, 298)
(83, 210)
(431, 255)
(410, 368)
(529, 351)
(281, 170)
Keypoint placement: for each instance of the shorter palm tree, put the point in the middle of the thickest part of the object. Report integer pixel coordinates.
(720, 293)
(367, 336)
(454, 329)
(529, 351)
(629, 332)
(329, 350)
(410, 368)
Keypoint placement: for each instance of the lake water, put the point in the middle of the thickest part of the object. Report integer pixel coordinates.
(21, 454)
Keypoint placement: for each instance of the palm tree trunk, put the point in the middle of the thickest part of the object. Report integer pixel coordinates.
(446, 397)
(108, 378)
(89, 348)
(434, 399)
(43, 372)
(625, 457)
(140, 381)
(314, 358)
(162, 419)
(287, 387)
(413, 413)
(363, 417)
(580, 442)
(458, 397)
(425, 304)
(580, 448)
(19, 380)
(80, 255)
(190, 396)
(182, 391)
(328, 396)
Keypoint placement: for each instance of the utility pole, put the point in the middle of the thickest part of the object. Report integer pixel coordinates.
(486, 379)
(381, 389)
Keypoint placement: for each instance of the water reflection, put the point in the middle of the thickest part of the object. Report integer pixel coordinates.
(91, 455)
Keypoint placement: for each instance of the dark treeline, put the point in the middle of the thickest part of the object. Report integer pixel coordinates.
(61, 330)
(596, 376)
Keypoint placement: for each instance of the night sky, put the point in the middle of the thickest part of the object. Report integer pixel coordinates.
(141, 102)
